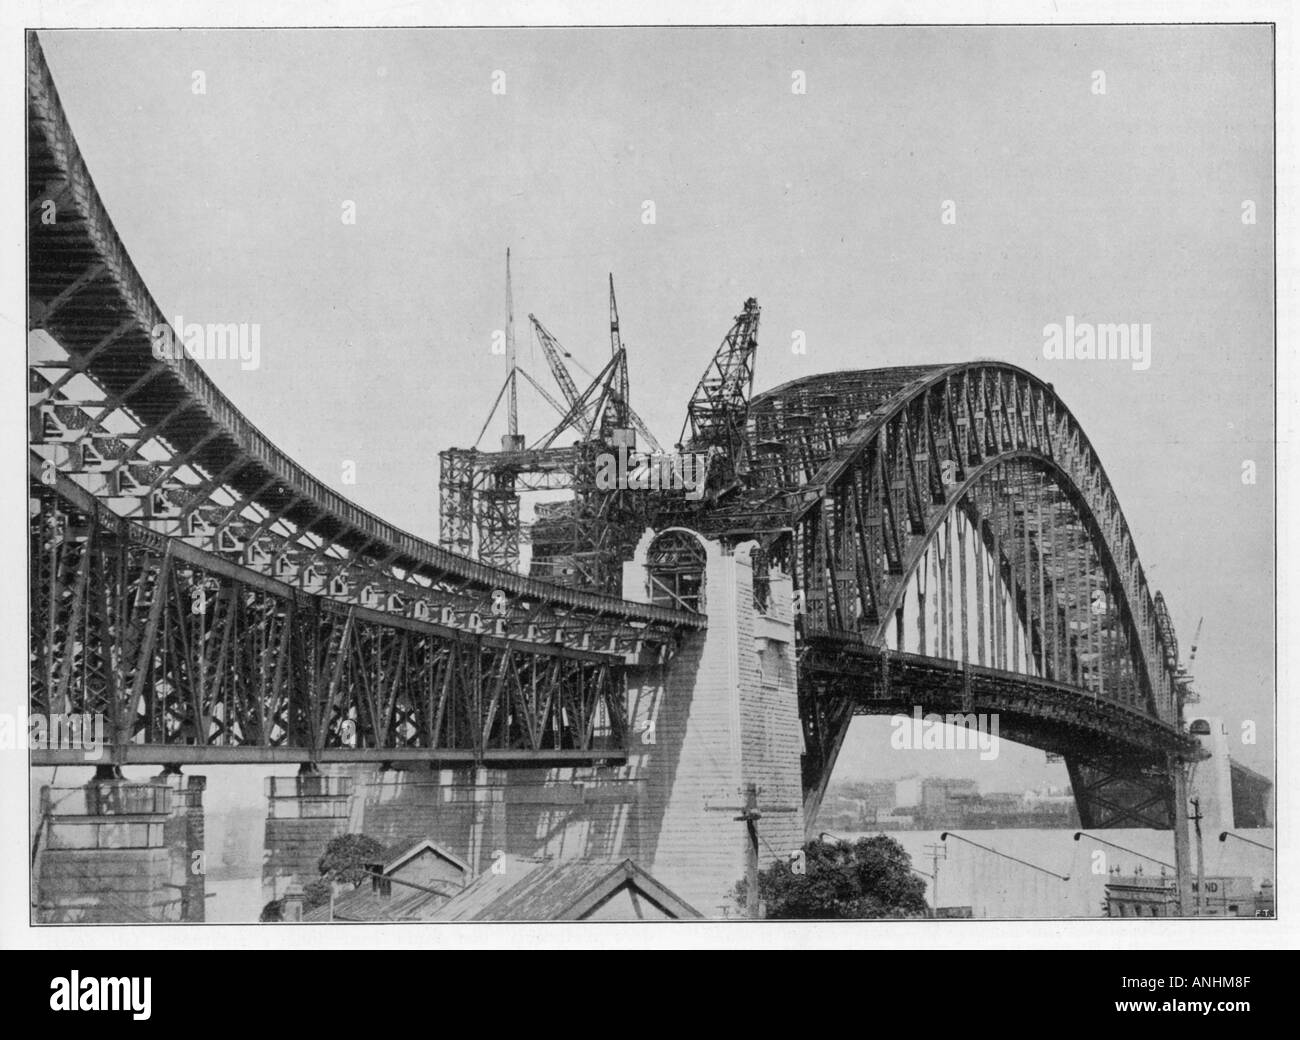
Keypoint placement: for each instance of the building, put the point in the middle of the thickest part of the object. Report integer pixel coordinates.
(565, 890)
(943, 800)
(414, 879)
(1136, 895)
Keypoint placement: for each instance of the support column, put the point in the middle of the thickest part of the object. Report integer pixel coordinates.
(184, 835)
(106, 858)
(303, 813)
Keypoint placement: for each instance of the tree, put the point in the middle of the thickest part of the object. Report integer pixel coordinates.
(316, 893)
(870, 878)
(346, 857)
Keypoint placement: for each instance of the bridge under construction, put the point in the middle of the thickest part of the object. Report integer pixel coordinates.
(612, 679)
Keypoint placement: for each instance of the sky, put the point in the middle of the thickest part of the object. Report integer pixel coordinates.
(827, 205)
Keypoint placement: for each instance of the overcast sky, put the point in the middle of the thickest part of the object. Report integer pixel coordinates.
(375, 336)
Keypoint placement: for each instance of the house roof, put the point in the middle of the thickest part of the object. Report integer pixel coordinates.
(555, 890)
(404, 851)
(367, 905)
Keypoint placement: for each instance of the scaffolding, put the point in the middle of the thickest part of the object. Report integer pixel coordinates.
(583, 540)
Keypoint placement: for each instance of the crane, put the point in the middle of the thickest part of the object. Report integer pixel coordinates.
(1183, 676)
(618, 415)
(552, 350)
(719, 407)
(1196, 639)
(555, 353)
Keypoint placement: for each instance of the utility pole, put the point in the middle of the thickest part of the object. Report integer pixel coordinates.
(1200, 859)
(750, 816)
(934, 851)
(1182, 851)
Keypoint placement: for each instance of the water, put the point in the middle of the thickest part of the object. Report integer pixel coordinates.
(234, 901)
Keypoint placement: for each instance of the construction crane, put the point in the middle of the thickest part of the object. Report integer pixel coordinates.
(1184, 675)
(555, 353)
(719, 407)
(591, 404)
(513, 420)
(1165, 628)
(583, 540)
(512, 441)
(617, 416)
(552, 350)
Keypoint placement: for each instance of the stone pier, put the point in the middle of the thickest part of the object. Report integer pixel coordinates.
(117, 852)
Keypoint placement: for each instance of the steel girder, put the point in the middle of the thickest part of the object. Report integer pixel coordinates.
(192, 658)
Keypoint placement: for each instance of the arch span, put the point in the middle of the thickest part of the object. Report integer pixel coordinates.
(963, 509)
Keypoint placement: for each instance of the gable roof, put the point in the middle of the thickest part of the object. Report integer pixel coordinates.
(403, 852)
(555, 890)
(407, 903)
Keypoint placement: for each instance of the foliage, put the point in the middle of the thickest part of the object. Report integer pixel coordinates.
(346, 857)
(316, 893)
(870, 878)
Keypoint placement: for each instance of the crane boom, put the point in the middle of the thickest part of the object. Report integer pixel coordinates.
(552, 349)
(512, 416)
(622, 405)
(555, 354)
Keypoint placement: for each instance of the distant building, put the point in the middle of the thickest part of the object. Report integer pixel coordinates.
(856, 805)
(964, 913)
(1136, 895)
(935, 803)
(942, 799)
(878, 798)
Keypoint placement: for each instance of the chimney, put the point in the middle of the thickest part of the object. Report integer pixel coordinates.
(293, 903)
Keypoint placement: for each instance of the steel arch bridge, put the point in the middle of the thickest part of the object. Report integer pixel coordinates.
(959, 548)
(952, 538)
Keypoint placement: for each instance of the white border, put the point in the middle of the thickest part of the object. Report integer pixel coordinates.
(15, 930)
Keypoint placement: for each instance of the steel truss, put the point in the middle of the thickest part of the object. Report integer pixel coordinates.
(868, 487)
(153, 439)
(190, 657)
